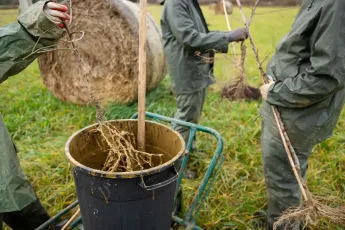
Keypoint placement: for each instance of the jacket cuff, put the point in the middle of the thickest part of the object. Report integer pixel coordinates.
(223, 45)
(37, 23)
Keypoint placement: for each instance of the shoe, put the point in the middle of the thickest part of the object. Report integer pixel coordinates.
(190, 175)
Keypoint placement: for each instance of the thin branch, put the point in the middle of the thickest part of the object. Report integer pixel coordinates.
(263, 74)
(253, 12)
(229, 28)
(273, 11)
(264, 59)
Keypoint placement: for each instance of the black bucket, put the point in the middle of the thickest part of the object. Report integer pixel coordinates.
(141, 200)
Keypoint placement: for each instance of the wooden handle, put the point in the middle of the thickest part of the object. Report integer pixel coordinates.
(229, 27)
(142, 76)
(70, 220)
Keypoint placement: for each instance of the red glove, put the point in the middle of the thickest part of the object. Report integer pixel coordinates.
(56, 12)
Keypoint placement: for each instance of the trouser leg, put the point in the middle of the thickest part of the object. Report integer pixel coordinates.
(281, 185)
(189, 109)
(29, 218)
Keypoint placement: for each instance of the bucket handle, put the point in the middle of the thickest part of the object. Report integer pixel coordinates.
(161, 184)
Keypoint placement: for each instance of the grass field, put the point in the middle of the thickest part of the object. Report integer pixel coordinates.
(41, 124)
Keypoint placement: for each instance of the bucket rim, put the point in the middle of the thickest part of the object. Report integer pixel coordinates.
(133, 174)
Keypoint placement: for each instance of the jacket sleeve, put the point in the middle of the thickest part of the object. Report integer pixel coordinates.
(18, 40)
(325, 75)
(184, 31)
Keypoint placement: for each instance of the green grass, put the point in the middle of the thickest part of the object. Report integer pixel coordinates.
(41, 124)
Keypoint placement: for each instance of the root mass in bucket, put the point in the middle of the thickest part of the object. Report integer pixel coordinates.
(122, 155)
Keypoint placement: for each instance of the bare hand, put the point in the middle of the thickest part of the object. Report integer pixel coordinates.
(264, 89)
(56, 12)
(238, 35)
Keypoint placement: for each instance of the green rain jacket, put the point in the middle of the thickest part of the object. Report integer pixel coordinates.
(185, 33)
(17, 41)
(309, 66)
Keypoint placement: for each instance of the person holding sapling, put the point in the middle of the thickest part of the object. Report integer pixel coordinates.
(41, 23)
(309, 72)
(190, 47)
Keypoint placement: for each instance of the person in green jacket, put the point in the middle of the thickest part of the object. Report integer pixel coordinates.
(189, 48)
(309, 72)
(20, 208)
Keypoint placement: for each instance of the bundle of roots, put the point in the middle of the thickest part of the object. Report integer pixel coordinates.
(239, 88)
(310, 212)
(122, 155)
(240, 91)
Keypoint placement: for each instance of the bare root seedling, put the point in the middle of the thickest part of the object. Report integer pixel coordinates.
(238, 88)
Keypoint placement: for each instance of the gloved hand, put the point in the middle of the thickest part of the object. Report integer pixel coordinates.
(56, 12)
(238, 35)
(264, 89)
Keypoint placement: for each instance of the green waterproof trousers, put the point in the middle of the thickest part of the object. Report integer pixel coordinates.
(281, 185)
(189, 109)
(16, 191)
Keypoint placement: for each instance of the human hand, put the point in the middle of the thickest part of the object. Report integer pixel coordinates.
(264, 89)
(56, 12)
(238, 35)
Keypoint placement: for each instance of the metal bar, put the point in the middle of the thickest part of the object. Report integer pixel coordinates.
(183, 123)
(184, 224)
(221, 161)
(75, 223)
(206, 178)
(185, 159)
(57, 216)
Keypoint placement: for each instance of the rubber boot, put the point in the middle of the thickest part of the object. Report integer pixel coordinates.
(1, 220)
(29, 218)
